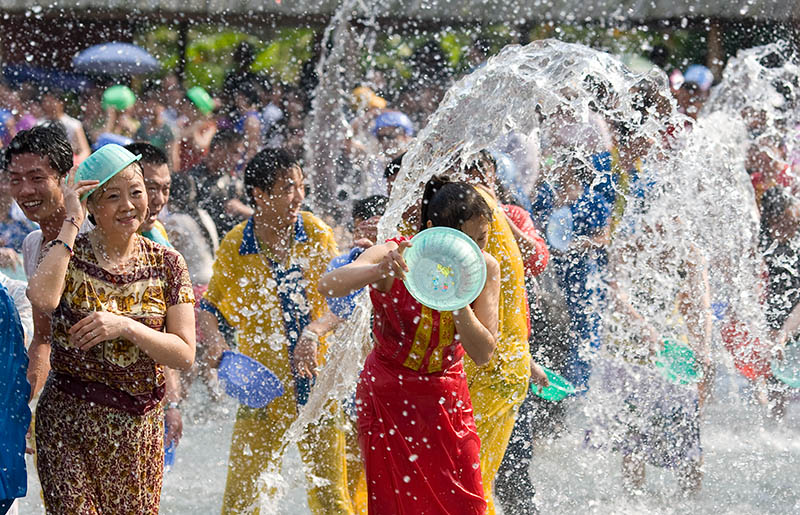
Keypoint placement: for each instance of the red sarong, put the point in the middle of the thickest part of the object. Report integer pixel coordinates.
(418, 440)
(415, 423)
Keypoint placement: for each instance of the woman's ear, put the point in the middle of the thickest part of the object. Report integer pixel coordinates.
(429, 224)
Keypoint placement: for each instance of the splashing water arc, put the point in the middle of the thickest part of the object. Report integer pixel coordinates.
(532, 91)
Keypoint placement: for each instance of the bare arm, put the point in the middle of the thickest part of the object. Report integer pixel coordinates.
(212, 338)
(47, 284)
(789, 327)
(695, 306)
(39, 352)
(378, 265)
(477, 325)
(173, 348)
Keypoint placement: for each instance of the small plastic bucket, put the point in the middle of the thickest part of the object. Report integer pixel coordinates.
(119, 97)
(787, 370)
(201, 99)
(103, 164)
(558, 390)
(677, 363)
(447, 270)
(247, 380)
(560, 228)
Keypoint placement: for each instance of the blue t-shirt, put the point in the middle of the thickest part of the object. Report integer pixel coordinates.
(15, 415)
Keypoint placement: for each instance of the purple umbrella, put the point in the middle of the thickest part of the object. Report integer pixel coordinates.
(115, 58)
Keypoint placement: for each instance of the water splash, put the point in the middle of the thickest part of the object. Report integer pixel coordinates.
(559, 98)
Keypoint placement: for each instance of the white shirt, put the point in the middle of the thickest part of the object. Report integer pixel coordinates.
(17, 291)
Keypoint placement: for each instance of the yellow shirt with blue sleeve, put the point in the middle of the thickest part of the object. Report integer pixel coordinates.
(268, 303)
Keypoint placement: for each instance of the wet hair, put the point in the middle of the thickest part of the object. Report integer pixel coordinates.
(446, 203)
(366, 208)
(48, 141)
(266, 167)
(393, 168)
(223, 137)
(485, 164)
(151, 155)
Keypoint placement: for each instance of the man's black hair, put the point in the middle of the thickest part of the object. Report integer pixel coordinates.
(366, 208)
(393, 167)
(151, 155)
(266, 167)
(223, 137)
(48, 141)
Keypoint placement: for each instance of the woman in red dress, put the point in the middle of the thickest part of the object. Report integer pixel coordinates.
(415, 424)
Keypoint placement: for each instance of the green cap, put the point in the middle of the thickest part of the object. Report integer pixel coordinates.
(201, 99)
(119, 97)
(106, 162)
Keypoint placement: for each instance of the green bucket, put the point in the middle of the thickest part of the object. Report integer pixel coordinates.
(104, 163)
(201, 99)
(446, 269)
(119, 97)
(787, 370)
(678, 364)
(558, 389)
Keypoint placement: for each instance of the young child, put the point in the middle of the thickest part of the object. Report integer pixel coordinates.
(415, 424)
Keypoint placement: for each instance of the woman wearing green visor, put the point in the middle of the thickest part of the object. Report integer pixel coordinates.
(121, 309)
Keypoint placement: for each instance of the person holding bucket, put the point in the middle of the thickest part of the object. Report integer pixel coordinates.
(260, 286)
(122, 309)
(416, 430)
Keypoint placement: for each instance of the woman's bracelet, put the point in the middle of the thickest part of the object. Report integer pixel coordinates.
(62, 242)
(71, 220)
(172, 405)
(311, 335)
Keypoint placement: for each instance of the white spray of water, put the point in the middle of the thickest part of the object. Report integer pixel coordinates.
(541, 91)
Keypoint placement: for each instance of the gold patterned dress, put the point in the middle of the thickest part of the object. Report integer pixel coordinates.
(99, 421)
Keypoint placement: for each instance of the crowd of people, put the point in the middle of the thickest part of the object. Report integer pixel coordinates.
(147, 227)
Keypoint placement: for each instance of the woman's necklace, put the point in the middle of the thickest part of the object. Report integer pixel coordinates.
(115, 266)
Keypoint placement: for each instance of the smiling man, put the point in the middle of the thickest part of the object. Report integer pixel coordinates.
(35, 164)
(263, 285)
(157, 180)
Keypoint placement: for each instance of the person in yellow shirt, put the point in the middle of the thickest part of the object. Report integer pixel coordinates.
(263, 285)
(498, 389)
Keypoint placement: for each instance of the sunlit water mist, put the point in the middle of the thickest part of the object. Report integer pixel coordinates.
(552, 94)
(558, 98)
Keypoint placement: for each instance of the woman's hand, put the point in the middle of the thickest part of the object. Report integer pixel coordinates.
(538, 377)
(98, 327)
(393, 265)
(74, 206)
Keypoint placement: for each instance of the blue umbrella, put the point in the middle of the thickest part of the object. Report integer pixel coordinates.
(115, 58)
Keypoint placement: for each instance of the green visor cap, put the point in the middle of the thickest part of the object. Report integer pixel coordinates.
(103, 164)
(201, 99)
(119, 97)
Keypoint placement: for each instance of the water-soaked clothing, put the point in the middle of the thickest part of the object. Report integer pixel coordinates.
(498, 388)
(99, 422)
(415, 424)
(269, 304)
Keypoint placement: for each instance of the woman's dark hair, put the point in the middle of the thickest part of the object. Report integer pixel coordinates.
(48, 141)
(366, 208)
(449, 204)
(266, 167)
